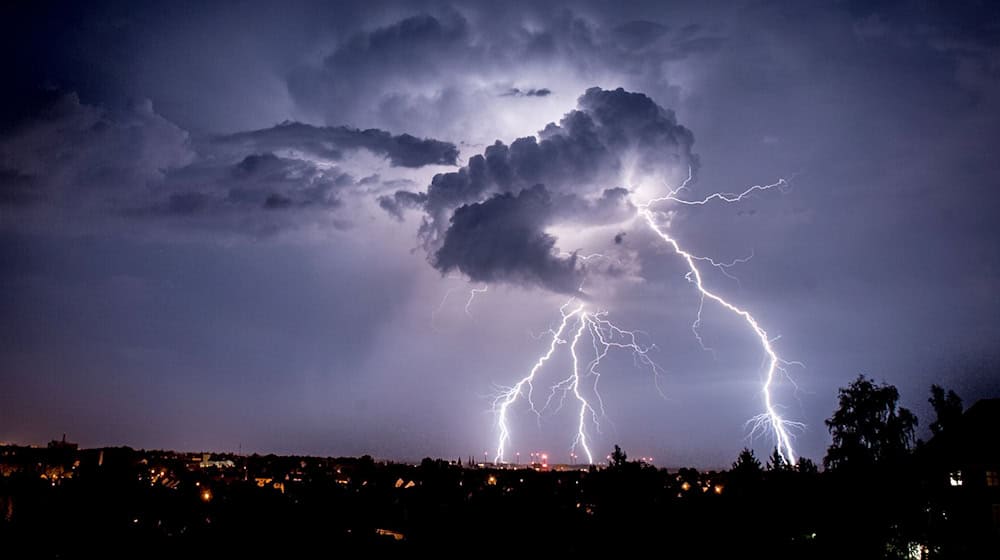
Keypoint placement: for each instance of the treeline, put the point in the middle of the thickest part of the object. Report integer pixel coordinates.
(881, 494)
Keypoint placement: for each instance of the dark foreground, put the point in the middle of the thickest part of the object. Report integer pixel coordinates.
(111, 503)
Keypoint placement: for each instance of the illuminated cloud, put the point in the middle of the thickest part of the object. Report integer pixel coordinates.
(489, 219)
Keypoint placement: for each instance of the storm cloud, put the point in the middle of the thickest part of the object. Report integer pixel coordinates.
(330, 143)
(518, 92)
(488, 219)
(449, 65)
(70, 153)
(133, 162)
(502, 240)
(260, 247)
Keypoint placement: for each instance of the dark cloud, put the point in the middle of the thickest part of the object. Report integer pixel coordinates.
(401, 46)
(445, 68)
(98, 162)
(70, 153)
(277, 201)
(400, 201)
(502, 240)
(632, 122)
(573, 163)
(517, 92)
(330, 142)
(408, 50)
(296, 182)
(585, 153)
(248, 188)
(260, 194)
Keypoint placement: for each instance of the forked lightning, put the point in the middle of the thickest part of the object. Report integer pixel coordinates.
(576, 322)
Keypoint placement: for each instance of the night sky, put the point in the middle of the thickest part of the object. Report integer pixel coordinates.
(241, 225)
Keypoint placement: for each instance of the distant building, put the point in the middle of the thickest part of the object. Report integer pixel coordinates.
(962, 474)
(396, 535)
(63, 444)
(207, 462)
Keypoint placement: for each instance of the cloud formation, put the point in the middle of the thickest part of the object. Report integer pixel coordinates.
(330, 143)
(70, 153)
(470, 73)
(532, 92)
(488, 219)
(133, 162)
(502, 239)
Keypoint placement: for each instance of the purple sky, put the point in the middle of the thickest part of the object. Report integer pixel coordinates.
(237, 224)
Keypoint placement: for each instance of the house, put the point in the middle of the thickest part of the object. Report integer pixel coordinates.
(961, 474)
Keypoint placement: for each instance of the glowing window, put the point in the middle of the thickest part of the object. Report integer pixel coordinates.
(955, 478)
(992, 478)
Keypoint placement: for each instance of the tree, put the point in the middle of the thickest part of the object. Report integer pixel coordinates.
(746, 463)
(777, 463)
(618, 458)
(947, 407)
(746, 474)
(806, 465)
(868, 427)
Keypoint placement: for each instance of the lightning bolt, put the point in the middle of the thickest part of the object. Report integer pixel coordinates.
(468, 303)
(581, 433)
(605, 336)
(770, 419)
(440, 306)
(509, 395)
(472, 296)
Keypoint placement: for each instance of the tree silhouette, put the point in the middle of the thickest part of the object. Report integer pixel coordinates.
(777, 463)
(746, 474)
(947, 407)
(806, 465)
(618, 458)
(746, 463)
(868, 427)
